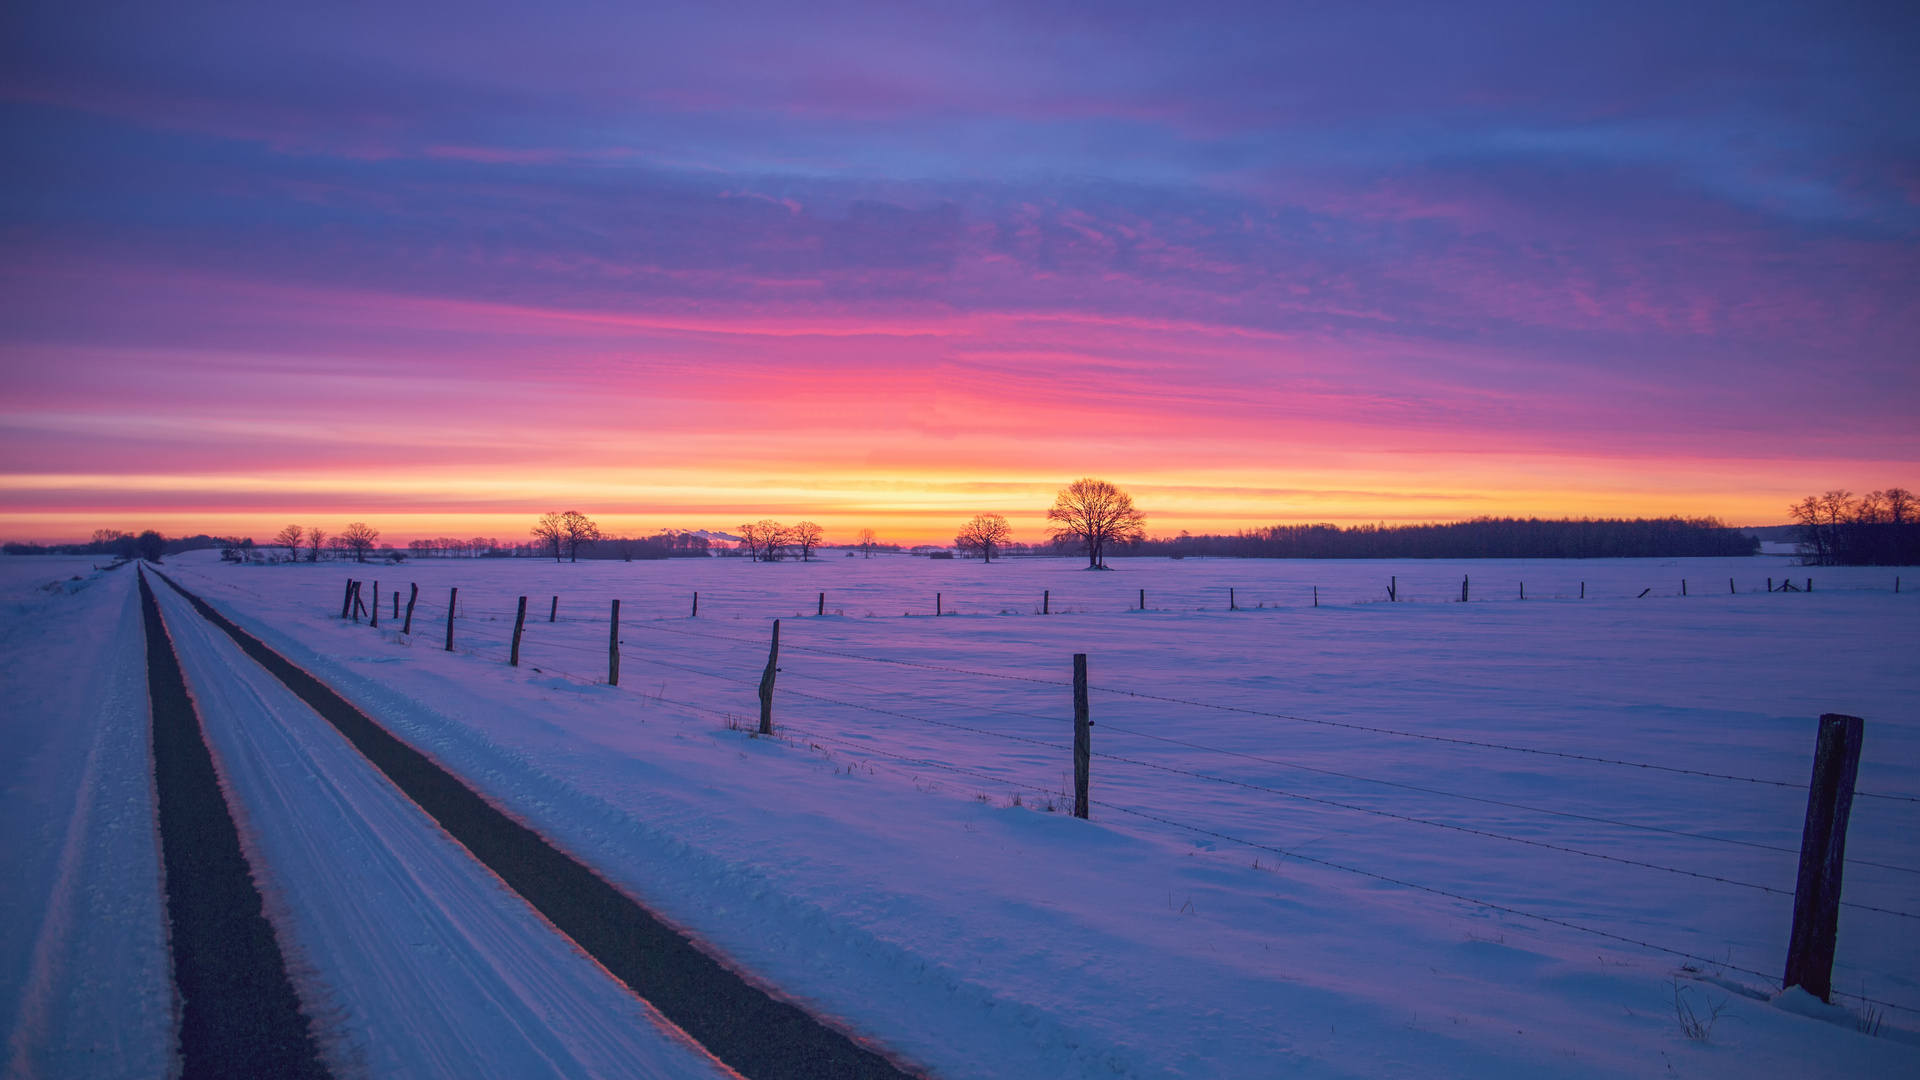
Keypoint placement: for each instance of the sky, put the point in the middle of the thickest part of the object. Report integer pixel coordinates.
(444, 268)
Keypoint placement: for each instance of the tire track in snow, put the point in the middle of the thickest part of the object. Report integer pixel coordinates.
(239, 1014)
(751, 1031)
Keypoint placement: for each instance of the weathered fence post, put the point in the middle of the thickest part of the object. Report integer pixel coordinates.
(1082, 736)
(519, 625)
(1523, 590)
(453, 597)
(696, 603)
(1464, 581)
(373, 614)
(1769, 584)
(823, 605)
(1233, 602)
(1316, 596)
(1143, 599)
(553, 614)
(1683, 586)
(1393, 589)
(937, 604)
(1809, 584)
(1823, 851)
(411, 598)
(1583, 590)
(766, 682)
(613, 646)
(346, 600)
(1731, 589)
(1046, 598)
(396, 603)
(358, 605)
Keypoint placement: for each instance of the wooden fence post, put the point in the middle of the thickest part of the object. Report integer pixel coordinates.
(696, 603)
(453, 597)
(346, 600)
(1393, 590)
(1046, 598)
(936, 604)
(1316, 596)
(1233, 602)
(1731, 589)
(1143, 599)
(1583, 590)
(823, 605)
(519, 625)
(411, 598)
(1523, 590)
(766, 682)
(1823, 851)
(373, 614)
(1809, 584)
(1082, 736)
(396, 603)
(358, 605)
(553, 615)
(1683, 586)
(613, 646)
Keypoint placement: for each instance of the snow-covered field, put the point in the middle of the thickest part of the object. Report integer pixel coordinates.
(872, 863)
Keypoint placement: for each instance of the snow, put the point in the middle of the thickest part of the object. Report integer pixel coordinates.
(85, 986)
(416, 959)
(847, 865)
(869, 862)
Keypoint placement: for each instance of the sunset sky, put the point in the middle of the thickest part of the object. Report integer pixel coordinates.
(440, 268)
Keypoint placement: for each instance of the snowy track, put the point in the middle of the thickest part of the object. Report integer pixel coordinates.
(411, 956)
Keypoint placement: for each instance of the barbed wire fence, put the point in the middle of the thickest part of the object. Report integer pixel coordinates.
(823, 711)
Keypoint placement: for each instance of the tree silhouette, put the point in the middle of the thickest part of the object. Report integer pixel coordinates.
(577, 531)
(1097, 514)
(316, 539)
(764, 539)
(359, 538)
(152, 545)
(985, 534)
(290, 538)
(806, 537)
(868, 538)
(551, 533)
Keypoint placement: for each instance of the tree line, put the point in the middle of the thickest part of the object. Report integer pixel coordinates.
(1880, 528)
(1478, 538)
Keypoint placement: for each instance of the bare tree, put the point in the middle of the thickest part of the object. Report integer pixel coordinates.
(806, 536)
(316, 539)
(579, 532)
(551, 533)
(984, 534)
(359, 539)
(868, 538)
(290, 538)
(152, 545)
(1097, 514)
(765, 539)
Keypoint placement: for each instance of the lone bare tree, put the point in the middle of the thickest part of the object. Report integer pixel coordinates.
(868, 538)
(806, 536)
(289, 538)
(316, 539)
(359, 539)
(984, 534)
(1098, 514)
